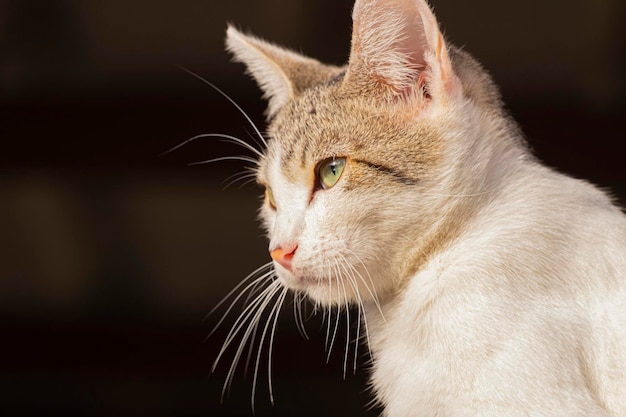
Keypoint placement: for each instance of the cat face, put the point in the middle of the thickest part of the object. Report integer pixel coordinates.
(339, 173)
(360, 159)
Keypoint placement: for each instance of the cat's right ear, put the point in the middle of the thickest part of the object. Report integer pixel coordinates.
(280, 73)
(398, 50)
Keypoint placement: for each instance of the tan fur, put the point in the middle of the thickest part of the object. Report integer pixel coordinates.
(489, 284)
(282, 74)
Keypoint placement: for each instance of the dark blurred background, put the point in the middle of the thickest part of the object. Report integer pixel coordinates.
(111, 256)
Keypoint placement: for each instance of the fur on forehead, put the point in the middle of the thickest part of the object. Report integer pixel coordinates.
(326, 122)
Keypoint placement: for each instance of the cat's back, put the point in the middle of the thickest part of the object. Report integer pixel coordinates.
(554, 226)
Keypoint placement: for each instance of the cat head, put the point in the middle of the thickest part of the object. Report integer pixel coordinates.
(365, 163)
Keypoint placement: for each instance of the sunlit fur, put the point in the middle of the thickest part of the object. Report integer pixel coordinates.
(487, 284)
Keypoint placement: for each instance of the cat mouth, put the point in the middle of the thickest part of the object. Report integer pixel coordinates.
(301, 282)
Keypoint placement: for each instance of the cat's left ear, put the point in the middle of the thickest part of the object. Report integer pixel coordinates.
(398, 49)
(280, 73)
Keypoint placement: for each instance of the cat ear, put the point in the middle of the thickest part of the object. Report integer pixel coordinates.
(280, 73)
(398, 48)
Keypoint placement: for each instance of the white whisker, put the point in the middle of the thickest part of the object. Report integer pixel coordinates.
(273, 316)
(258, 285)
(371, 291)
(355, 273)
(358, 333)
(253, 138)
(350, 273)
(298, 298)
(332, 340)
(271, 347)
(250, 349)
(328, 314)
(231, 292)
(266, 298)
(251, 176)
(226, 158)
(229, 99)
(257, 281)
(229, 138)
(347, 305)
(249, 311)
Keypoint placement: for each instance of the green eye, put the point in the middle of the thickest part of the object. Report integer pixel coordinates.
(329, 172)
(270, 197)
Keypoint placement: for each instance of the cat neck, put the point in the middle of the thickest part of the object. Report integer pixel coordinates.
(497, 161)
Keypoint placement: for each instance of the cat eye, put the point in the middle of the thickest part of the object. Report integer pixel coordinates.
(269, 196)
(329, 171)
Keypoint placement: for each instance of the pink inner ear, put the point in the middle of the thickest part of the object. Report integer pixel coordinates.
(397, 43)
(414, 41)
(414, 46)
(422, 37)
(436, 43)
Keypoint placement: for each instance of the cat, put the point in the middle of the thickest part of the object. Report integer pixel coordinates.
(487, 283)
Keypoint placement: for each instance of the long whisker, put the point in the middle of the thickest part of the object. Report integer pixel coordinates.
(250, 285)
(345, 296)
(361, 313)
(266, 297)
(329, 315)
(229, 138)
(297, 313)
(231, 292)
(357, 340)
(350, 273)
(369, 289)
(240, 177)
(250, 349)
(339, 278)
(274, 312)
(229, 99)
(332, 340)
(251, 310)
(257, 287)
(326, 317)
(253, 138)
(269, 363)
(234, 302)
(355, 273)
(226, 158)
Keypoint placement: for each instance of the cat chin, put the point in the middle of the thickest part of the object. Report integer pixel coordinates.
(321, 291)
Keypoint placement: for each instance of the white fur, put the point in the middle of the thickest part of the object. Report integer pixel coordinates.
(493, 287)
(523, 315)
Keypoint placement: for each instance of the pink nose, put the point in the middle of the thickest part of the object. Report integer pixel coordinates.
(284, 256)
